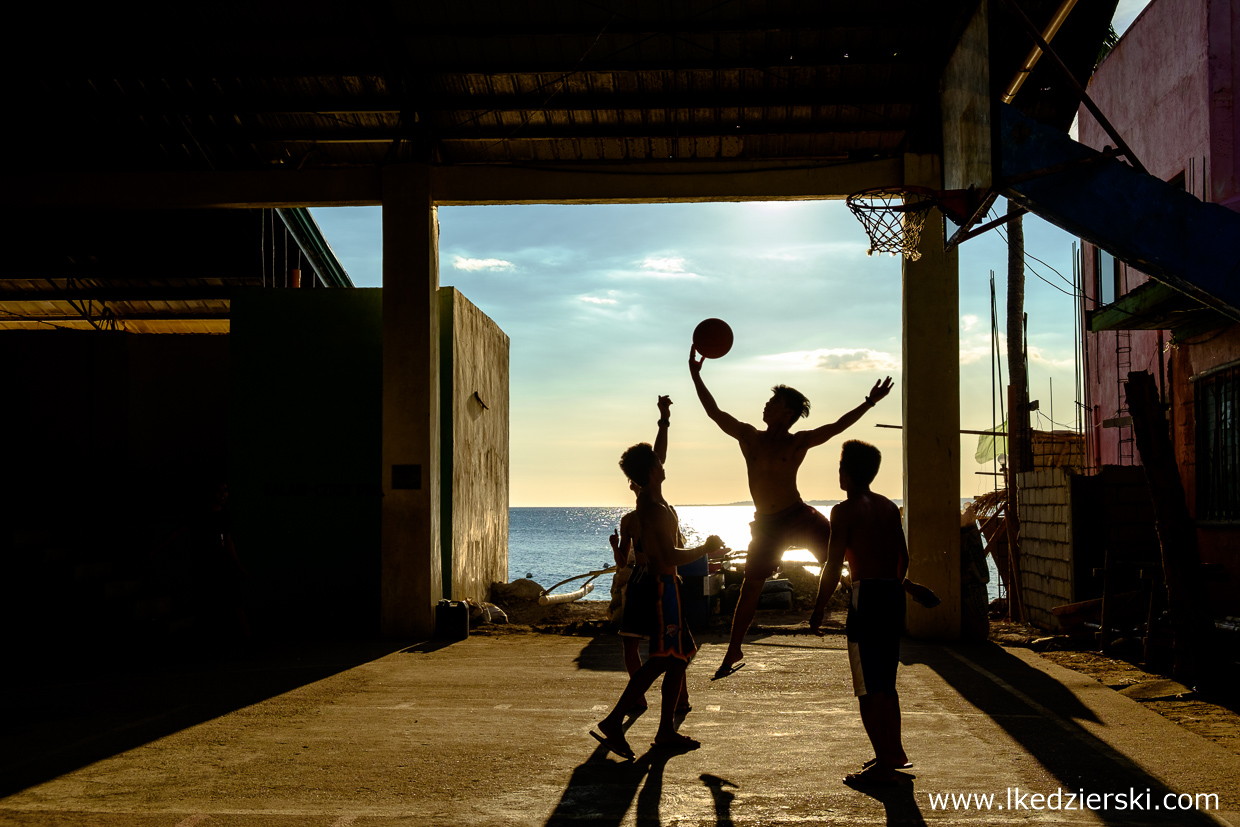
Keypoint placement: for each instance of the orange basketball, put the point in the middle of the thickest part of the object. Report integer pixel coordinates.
(712, 338)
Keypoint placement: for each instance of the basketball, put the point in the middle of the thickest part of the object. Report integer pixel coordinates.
(712, 338)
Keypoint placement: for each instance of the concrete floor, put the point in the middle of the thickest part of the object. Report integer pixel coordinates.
(494, 731)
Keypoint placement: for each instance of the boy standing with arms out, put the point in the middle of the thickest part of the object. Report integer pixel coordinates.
(868, 533)
(782, 519)
(671, 644)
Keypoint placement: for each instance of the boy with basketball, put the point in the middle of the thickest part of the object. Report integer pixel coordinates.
(867, 532)
(671, 644)
(782, 519)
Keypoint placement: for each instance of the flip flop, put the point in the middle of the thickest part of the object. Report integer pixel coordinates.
(730, 669)
(682, 743)
(869, 778)
(618, 747)
(873, 761)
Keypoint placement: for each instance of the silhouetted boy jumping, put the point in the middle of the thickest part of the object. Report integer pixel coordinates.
(782, 519)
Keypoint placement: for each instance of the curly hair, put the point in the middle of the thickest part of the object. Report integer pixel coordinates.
(637, 461)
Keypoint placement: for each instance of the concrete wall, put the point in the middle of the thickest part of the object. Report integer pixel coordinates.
(474, 394)
(1045, 543)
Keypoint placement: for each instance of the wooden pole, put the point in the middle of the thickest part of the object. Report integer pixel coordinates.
(1191, 628)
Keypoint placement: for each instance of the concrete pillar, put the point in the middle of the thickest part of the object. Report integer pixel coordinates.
(931, 390)
(412, 573)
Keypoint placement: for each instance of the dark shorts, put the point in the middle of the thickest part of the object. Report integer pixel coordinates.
(875, 623)
(640, 596)
(800, 526)
(670, 636)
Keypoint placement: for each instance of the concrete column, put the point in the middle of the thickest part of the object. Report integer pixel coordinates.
(412, 573)
(931, 390)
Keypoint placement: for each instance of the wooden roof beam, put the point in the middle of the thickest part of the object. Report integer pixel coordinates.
(458, 185)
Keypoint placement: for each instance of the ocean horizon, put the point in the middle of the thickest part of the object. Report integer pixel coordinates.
(549, 544)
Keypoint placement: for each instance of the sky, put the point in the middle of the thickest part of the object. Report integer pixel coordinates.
(600, 302)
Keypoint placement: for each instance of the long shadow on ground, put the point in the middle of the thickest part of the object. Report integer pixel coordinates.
(1041, 715)
(54, 725)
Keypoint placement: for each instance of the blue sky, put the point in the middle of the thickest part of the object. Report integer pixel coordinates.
(600, 302)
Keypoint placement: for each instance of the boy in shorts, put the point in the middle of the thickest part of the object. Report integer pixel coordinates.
(671, 644)
(867, 532)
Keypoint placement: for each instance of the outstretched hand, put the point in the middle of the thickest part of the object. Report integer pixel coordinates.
(879, 391)
(665, 406)
(614, 539)
(695, 364)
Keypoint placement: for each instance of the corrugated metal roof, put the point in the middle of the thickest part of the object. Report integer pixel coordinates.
(238, 86)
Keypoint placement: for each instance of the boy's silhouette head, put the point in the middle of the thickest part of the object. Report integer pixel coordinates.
(859, 462)
(640, 463)
(785, 407)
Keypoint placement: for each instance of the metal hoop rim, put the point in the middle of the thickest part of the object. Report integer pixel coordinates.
(928, 199)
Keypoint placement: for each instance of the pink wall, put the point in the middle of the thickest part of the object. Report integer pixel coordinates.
(1154, 87)
(1168, 87)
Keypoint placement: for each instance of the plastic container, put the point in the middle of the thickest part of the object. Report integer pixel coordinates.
(451, 620)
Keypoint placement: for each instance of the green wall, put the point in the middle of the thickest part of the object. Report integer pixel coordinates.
(304, 455)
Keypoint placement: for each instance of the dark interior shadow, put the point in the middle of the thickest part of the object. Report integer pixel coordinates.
(57, 722)
(899, 802)
(428, 646)
(994, 681)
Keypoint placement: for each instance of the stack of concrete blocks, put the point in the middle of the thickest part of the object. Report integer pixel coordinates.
(1045, 543)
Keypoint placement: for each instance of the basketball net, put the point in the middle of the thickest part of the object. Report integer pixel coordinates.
(892, 218)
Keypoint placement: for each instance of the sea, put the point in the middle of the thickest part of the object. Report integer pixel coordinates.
(552, 544)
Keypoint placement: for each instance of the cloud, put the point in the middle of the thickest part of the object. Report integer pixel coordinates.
(968, 322)
(671, 264)
(471, 264)
(839, 358)
(596, 300)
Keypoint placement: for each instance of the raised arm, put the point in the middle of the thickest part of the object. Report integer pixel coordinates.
(729, 424)
(818, 436)
(830, 578)
(660, 438)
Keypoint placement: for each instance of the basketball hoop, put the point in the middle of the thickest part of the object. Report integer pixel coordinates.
(893, 218)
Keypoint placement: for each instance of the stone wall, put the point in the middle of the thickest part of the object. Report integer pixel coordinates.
(1046, 575)
(474, 402)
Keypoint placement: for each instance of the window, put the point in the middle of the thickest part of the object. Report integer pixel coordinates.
(1217, 405)
(1107, 270)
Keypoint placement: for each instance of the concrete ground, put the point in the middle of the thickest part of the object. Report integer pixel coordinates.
(493, 730)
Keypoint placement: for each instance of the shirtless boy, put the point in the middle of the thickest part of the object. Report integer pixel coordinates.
(782, 519)
(633, 588)
(867, 532)
(671, 644)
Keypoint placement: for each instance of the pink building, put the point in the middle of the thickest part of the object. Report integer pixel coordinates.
(1168, 88)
